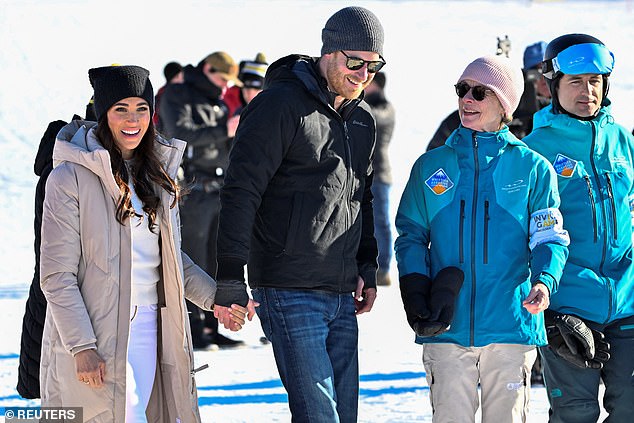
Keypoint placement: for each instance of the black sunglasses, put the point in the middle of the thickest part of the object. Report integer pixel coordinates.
(355, 63)
(478, 91)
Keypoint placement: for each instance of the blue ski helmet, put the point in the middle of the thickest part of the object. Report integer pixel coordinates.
(576, 54)
(534, 54)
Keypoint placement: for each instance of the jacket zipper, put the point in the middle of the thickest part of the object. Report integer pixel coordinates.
(486, 232)
(601, 199)
(473, 236)
(348, 188)
(461, 231)
(613, 205)
(594, 209)
(605, 223)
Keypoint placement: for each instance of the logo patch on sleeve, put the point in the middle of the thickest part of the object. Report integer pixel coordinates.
(564, 166)
(439, 182)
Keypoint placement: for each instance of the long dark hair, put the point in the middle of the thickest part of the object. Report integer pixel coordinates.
(145, 173)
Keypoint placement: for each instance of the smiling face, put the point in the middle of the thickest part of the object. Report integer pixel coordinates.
(581, 95)
(481, 116)
(128, 120)
(347, 83)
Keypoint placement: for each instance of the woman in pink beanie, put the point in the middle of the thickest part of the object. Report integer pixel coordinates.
(481, 247)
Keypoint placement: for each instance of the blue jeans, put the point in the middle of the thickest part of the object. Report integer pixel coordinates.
(573, 393)
(382, 225)
(314, 335)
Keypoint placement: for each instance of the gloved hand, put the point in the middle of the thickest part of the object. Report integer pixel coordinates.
(415, 295)
(571, 339)
(444, 290)
(231, 291)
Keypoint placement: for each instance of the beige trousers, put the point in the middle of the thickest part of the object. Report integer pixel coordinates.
(504, 374)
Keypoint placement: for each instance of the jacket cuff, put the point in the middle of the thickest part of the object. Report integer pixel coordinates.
(545, 279)
(230, 269)
(368, 273)
(80, 348)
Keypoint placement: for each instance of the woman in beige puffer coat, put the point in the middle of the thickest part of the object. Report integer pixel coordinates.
(88, 259)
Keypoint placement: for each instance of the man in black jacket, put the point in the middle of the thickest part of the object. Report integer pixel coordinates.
(297, 206)
(194, 112)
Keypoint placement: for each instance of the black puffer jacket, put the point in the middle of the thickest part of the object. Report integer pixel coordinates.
(35, 311)
(193, 112)
(296, 199)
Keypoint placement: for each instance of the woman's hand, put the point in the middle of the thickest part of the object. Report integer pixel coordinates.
(233, 318)
(90, 368)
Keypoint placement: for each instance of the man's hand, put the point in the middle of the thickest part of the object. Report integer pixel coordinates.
(233, 318)
(538, 299)
(571, 339)
(363, 298)
(90, 368)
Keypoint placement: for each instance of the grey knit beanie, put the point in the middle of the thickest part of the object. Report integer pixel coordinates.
(352, 28)
(114, 83)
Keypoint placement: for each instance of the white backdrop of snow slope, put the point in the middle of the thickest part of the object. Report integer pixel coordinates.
(48, 46)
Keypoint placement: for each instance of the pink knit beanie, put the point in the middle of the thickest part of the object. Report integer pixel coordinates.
(499, 75)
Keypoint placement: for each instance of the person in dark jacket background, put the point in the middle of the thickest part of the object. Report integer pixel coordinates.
(35, 310)
(194, 112)
(383, 112)
(297, 206)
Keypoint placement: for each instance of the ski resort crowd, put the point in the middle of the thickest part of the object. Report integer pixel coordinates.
(514, 233)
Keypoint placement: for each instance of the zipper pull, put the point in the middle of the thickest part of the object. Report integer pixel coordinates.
(196, 370)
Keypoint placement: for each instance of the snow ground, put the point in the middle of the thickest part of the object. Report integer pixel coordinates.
(48, 46)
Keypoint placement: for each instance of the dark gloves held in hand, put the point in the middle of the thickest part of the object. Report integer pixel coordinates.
(571, 339)
(415, 293)
(429, 306)
(231, 291)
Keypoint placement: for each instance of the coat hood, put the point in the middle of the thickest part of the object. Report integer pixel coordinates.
(76, 143)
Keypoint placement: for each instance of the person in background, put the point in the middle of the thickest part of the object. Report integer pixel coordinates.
(252, 75)
(297, 208)
(173, 72)
(590, 321)
(475, 305)
(116, 340)
(195, 112)
(383, 113)
(35, 311)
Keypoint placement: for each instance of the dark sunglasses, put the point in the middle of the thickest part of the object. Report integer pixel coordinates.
(478, 91)
(355, 63)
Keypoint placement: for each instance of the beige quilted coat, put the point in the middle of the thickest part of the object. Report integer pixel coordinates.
(86, 273)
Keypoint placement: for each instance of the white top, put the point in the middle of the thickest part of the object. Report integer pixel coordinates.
(146, 256)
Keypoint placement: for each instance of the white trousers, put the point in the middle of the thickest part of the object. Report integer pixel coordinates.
(141, 365)
(503, 372)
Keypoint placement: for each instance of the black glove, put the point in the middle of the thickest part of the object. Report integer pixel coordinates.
(444, 290)
(231, 291)
(415, 295)
(571, 339)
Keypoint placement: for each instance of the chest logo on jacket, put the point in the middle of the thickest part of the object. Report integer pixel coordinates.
(564, 166)
(439, 182)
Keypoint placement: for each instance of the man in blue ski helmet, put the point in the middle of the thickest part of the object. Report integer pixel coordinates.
(590, 322)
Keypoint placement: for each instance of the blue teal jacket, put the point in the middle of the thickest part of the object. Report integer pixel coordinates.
(594, 163)
(487, 204)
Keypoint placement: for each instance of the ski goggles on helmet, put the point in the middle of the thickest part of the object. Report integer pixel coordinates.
(478, 92)
(579, 59)
(356, 63)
